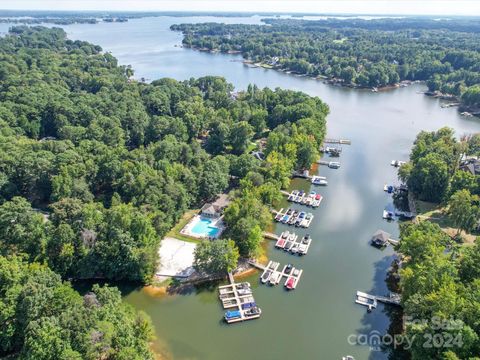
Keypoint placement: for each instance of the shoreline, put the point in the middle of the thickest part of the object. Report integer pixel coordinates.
(464, 109)
(326, 80)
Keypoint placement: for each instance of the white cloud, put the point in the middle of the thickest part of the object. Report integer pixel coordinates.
(407, 7)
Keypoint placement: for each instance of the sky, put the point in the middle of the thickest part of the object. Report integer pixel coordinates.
(405, 7)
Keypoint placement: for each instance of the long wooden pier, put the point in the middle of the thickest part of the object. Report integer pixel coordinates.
(337, 141)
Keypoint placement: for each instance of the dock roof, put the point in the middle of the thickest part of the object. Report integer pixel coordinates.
(381, 235)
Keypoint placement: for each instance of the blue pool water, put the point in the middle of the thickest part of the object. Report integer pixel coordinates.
(203, 227)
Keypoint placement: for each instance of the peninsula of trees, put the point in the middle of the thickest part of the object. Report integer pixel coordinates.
(354, 52)
(440, 276)
(96, 167)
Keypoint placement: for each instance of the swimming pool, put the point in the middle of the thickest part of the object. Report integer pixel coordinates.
(203, 227)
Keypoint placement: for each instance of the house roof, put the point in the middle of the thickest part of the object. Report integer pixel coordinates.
(471, 165)
(217, 206)
(222, 201)
(381, 235)
(210, 208)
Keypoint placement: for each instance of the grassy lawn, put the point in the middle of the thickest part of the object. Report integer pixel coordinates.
(341, 41)
(252, 146)
(438, 215)
(175, 231)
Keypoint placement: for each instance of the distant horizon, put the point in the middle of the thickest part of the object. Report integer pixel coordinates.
(216, 13)
(464, 8)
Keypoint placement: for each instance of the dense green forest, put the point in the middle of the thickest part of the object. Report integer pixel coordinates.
(44, 318)
(432, 172)
(356, 52)
(440, 284)
(95, 167)
(440, 276)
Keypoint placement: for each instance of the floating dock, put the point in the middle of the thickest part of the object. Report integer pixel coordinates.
(240, 298)
(288, 241)
(294, 217)
(330, 164)
(367, 300)
(273, 277)
(301, 197)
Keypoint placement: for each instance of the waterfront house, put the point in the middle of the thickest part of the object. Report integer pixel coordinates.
(215, 209)
(471, 165)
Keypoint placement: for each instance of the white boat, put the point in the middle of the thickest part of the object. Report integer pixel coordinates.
(319, 180)
(388, 215)
(266, 276)
(275, 278)
(333, 165)
(302, 249)
(397, 163)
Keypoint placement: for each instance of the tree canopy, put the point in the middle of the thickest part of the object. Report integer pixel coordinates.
(96, 167)
(440, 286)
(44, 318)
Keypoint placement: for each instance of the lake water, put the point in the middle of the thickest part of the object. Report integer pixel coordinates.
(315, 320)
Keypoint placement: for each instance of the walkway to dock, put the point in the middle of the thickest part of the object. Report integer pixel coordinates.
(269, 235)
(393, 241)
(337, 141)
(411, 203)
(256, 265)
(393, 299)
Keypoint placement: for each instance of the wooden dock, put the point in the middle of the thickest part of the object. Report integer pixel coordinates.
(273, 277)
(300, 197)
(371, 300)
(330, 164)
(323, 162)
(294, 217)
(239, 297)
(337, 141)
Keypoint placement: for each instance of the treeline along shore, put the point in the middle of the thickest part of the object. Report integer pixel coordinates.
(379, 53)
